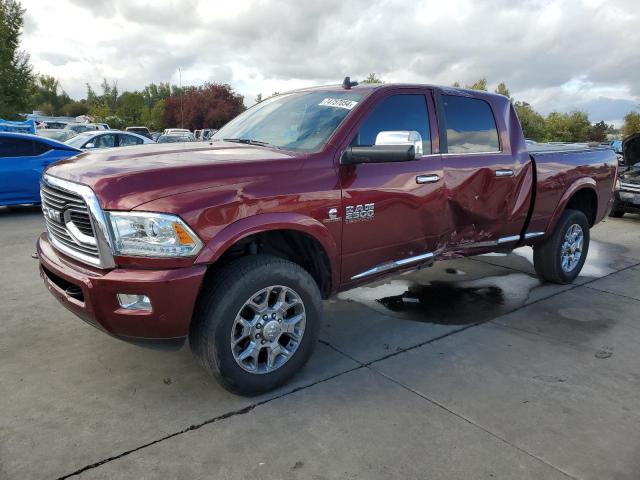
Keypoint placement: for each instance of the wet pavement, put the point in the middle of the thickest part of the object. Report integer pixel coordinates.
(470, 369)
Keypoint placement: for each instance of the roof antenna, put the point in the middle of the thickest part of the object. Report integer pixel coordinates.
(347, 83)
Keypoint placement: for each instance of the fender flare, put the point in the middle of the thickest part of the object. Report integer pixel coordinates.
(265, 222)
(579, 184)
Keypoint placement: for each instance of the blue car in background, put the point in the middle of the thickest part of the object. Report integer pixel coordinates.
(23, 157)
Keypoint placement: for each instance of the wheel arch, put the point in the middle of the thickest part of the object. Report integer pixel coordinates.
(297, 237)
(582, 195)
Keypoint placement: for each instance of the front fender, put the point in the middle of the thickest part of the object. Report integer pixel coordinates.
(264, 222)
(579, 184)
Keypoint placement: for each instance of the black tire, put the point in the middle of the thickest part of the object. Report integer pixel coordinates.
(221, 301)
(547, 255)
(616, 213)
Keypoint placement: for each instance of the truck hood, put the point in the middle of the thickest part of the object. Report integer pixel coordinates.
(124, 178)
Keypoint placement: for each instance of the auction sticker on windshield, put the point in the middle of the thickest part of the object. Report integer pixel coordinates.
(338, 102)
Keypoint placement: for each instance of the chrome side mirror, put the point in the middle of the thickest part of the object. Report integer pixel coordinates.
(90, 145)
(401, 137)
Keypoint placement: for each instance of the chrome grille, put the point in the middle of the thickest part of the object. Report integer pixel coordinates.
(61, 207)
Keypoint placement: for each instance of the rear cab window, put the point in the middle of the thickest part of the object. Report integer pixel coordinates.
(471, 126)
(402, 112)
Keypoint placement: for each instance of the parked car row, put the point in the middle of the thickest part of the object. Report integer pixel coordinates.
(107, 139)
(23, 157)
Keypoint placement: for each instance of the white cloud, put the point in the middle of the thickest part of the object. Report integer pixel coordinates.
(559, 55)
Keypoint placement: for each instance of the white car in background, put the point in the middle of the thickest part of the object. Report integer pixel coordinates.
(107, 139)
(86, 127)
(175, 131)
(59, 134)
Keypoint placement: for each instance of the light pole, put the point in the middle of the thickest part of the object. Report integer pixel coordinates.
(181, 101)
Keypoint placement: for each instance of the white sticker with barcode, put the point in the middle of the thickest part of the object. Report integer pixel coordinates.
(338, 103)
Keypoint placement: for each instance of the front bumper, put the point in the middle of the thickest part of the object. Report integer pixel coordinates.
(90, 293)
(627, 200)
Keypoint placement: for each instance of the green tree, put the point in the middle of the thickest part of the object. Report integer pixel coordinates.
(479, 85)
(568, 127)
(372, 78)
(456, 84)
(130, 106)
(502, 89)
(109, 94)
(153, 118)
(631, 123)
(533, 124)
(16, 75)
(75, 109)
(92, 97)
(599, 131)
(45, 92)
(153, 93)
(258, 98)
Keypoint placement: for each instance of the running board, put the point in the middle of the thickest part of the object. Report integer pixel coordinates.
(394, 264)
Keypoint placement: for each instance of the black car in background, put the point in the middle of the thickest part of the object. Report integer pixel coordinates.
(144, 131)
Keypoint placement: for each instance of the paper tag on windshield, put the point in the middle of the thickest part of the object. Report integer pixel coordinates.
(338, 103)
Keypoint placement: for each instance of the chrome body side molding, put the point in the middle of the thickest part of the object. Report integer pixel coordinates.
(529, 235)
(393, 264)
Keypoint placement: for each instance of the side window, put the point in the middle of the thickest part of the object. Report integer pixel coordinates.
(39, 148)
(18, 147)
(126, 140)
(398, 112)
(105, 141)
(471, 126)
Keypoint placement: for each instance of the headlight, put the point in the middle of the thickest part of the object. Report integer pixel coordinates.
(152, 235)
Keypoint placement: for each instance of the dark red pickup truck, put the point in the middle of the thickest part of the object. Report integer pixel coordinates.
(234, 242)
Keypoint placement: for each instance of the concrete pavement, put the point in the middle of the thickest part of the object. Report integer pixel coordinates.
(470, 369)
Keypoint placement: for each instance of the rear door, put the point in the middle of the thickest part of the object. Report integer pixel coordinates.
(128, 140)
(488, 185)
(392, 212)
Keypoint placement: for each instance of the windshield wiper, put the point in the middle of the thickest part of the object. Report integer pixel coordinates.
(249, 141)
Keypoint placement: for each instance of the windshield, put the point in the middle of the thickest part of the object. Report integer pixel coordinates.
(78, 140)
(294, 121)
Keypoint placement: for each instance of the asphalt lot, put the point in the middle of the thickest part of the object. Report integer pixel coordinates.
(480, 371)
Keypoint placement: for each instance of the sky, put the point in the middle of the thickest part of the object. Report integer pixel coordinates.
(557, 55)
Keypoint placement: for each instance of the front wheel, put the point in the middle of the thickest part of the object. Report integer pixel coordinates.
(257, 323)
(616, 213)
(560, 257)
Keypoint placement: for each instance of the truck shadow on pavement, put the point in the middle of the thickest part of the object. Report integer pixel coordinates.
(20, 211)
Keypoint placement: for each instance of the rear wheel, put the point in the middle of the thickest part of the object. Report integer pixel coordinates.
(560, 258)
(257, 323)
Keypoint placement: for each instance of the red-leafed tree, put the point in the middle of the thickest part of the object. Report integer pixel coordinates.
(209, 106)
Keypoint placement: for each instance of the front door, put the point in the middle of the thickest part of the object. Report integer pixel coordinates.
(393, 212)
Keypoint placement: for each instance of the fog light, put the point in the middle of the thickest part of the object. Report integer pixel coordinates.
(134, 302)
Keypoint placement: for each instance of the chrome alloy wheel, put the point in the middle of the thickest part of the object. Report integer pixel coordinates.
(268, 329)
(571, 250)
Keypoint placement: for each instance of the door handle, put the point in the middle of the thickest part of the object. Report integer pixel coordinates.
(504, 173)
(427, 178)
